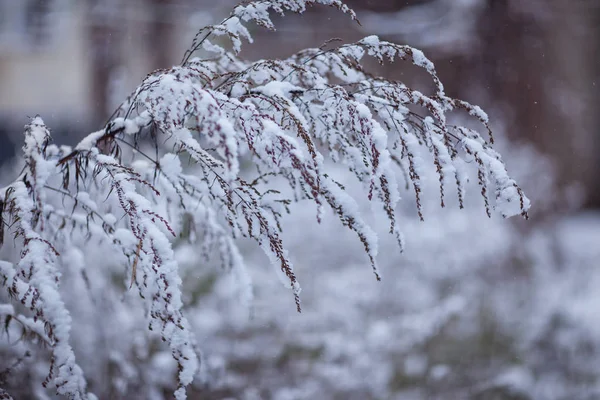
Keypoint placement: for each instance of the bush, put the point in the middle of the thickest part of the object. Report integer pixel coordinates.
(210, 151)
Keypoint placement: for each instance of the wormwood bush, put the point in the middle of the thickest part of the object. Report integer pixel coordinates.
(129, 188)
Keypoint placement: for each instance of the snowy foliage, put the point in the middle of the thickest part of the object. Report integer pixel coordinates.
(211, 151)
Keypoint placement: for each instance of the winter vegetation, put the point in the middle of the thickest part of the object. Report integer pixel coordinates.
(108, 280)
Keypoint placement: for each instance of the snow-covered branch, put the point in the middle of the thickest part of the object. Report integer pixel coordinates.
(226, 145)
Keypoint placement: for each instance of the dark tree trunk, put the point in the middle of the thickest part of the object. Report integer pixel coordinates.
(37, 20)
(161, 33)
(104, 49)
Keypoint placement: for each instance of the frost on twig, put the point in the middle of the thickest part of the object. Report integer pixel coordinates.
(177, 152)
(34, 281)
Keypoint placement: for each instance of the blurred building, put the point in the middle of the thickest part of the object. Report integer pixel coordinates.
(43, 63)
(72, 61)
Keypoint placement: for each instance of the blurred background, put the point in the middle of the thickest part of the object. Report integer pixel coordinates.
(475, 308)
(531, 64)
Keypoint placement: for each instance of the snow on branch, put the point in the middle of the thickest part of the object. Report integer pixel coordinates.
(226, 145)
(34, 281)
